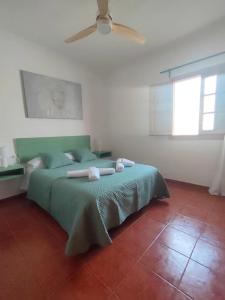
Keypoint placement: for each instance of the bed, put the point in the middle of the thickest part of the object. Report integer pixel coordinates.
(85, 209)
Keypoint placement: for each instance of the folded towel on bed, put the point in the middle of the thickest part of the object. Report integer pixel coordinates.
(106, 171)
(93, 173)
(78, 173)
(119, 166)
(126, 162)
(88, 173)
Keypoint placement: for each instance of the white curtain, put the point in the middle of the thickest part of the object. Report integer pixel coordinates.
(218, 184)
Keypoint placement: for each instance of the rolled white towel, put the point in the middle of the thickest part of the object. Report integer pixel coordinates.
(93, 173)
(126, 162)
(78, 173)
(119, 166)
(106, 171)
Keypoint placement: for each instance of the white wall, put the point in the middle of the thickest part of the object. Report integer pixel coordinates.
(116, 110)
(18, 54)
(128, 103)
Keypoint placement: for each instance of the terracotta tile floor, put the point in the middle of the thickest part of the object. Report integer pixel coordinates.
(173, 249)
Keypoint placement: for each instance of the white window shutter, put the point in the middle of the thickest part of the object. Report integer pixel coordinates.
(161, 109)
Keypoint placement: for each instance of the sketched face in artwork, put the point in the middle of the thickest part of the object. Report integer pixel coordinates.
(58, 99)
(51, 98)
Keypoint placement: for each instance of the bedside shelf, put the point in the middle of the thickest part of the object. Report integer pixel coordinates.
(11, 172)
(103, 154)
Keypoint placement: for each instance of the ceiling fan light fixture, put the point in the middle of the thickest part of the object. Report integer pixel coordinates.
(104, 25)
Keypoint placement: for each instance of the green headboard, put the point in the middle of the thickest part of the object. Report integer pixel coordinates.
(28, 148)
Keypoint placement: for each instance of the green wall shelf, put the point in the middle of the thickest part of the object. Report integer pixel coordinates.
(11, 172)
(103, 154)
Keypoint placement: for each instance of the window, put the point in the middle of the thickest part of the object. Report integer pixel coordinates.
(209, 101)
(191, 106)
(194, 102)
(186, 106)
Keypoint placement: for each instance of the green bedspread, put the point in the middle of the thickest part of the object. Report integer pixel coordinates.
(88, 209)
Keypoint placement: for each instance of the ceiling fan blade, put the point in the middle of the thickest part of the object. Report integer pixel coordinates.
(82, 34)
(128, 32)
(103, 7)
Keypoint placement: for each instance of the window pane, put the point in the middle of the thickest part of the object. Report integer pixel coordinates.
(209, 103)
(208, 122)
(186, 106)
(210, 85)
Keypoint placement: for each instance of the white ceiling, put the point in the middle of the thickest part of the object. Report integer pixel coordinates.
(48, 22)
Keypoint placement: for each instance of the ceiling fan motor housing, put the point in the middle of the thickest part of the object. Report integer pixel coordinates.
(104, 24)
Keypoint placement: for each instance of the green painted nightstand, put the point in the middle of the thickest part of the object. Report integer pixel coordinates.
(11, 172)
(103, 154)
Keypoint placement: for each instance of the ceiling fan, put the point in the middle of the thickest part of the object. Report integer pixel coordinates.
(105, 25)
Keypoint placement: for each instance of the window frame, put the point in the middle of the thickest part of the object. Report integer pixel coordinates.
(201, 132)
(201, 111)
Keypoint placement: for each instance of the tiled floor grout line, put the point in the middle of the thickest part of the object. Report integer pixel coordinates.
(189, 258)
(211, 244)
(162, 278)
(155, 240)
(102, 282)
(152, 242)
(173, 249)
(183, 231)
(191, 218)
(213, 271)
(206, 222)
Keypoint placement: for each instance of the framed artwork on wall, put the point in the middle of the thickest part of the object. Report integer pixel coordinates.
(51, 98)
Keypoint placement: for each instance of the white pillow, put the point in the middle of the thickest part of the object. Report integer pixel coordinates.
(69, 155)
(31, 165)
(35, 163)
